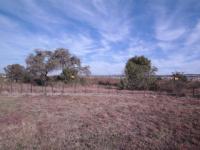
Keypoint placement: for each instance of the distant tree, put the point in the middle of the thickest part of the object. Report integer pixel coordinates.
(15, 72)
(139, 73)
(179, 76)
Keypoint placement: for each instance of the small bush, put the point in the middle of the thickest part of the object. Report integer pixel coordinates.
(104, 83)
(176, 88)
(179, 87)
(166, 86)
(193, 86)
(82, 81)
(107, 83)
(38, 82)
(122, 84)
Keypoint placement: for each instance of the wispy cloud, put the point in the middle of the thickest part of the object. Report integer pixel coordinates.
(105, 16)
(104, 33)
(167, 26)
(194, 36)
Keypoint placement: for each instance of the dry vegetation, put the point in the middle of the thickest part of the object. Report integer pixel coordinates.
(99, 121)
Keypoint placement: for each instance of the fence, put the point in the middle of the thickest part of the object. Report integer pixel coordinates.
(57, 89)
(10, 88)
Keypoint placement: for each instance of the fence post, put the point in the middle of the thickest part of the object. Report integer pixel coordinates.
(63, 88)
(21, 85)
(98, 88)
(74, 87)
(85, 88)
(31, 87)
(52, 88)
(1, 87)
(193, 92)
(45, 88)
(11, 88)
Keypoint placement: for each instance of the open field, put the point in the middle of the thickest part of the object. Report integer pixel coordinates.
(99, 121)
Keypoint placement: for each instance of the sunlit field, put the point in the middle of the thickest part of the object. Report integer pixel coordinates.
(99, 121)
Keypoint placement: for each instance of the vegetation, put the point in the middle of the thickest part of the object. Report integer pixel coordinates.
(42, 62)
(139, 73)
(194, 85)
(179, 76)
(89, 121)
(99, 116)
(15, 72)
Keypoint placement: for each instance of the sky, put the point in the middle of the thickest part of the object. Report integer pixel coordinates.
(104, 33)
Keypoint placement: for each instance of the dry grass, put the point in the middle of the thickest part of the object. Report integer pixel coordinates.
(99, 121)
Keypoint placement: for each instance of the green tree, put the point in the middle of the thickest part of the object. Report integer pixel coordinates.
(69, 74)
(15, 72)
(139, 73)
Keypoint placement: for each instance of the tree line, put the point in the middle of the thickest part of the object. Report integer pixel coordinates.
(42, 62)
(139, 73)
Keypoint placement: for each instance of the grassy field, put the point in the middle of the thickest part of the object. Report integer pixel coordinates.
(99, 121)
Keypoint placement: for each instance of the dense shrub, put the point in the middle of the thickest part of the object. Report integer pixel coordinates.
(139, 73)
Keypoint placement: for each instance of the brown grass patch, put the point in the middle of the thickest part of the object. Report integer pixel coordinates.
(99, 121)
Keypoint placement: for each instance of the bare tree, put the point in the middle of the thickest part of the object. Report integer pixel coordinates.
(70, 64)
(40, 64)
(85, 71)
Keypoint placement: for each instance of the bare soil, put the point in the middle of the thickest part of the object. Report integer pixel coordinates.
(99, 121)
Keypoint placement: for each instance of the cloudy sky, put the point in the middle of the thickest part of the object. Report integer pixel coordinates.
(104, 33)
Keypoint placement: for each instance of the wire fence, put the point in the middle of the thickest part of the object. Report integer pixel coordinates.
(61, 89)
(10, 88)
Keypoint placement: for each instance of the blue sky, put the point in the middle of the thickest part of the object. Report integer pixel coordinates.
(104, 33)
